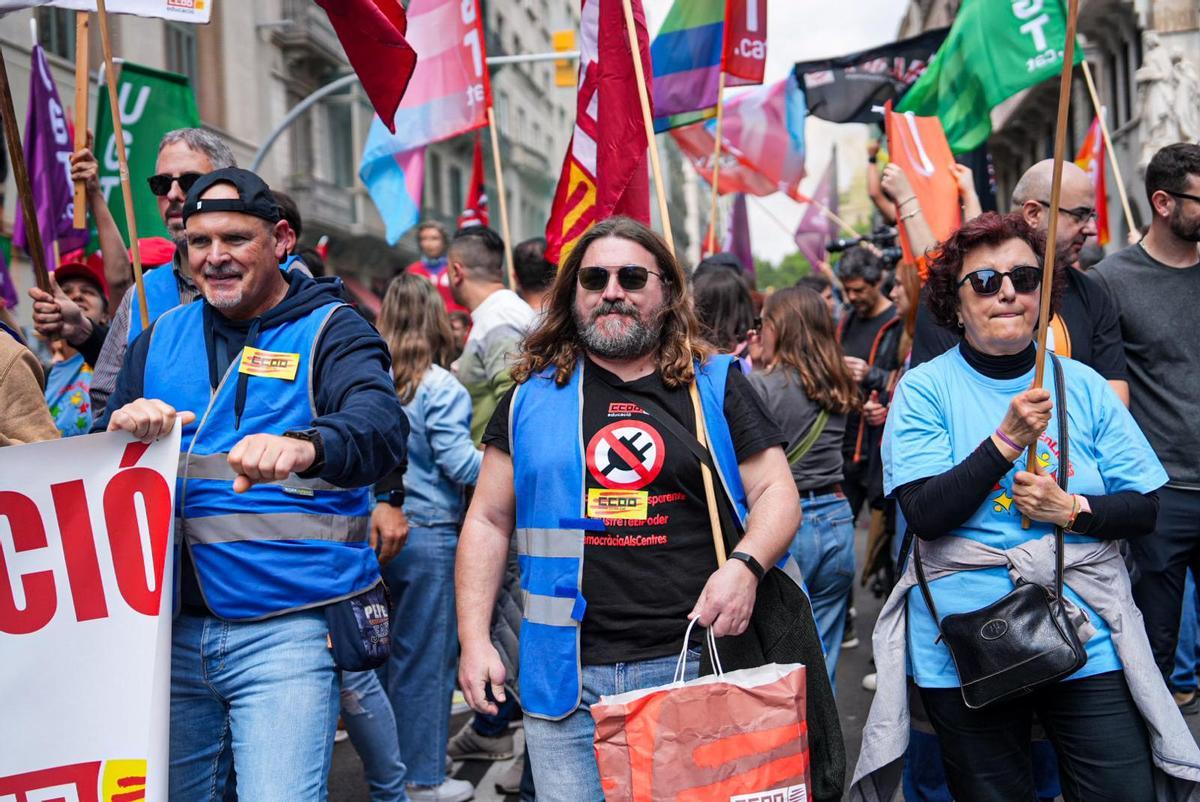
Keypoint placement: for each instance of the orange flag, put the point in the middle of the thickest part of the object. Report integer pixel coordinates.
(1091, 159)
(918, 146)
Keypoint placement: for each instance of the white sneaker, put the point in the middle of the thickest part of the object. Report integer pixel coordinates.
(449, 791)
(869, 682)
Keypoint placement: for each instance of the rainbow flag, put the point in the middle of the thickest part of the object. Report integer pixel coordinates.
(686, 56)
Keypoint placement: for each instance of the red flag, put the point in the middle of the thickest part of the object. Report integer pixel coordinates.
(1091, 159)
(918, 146)
(372, 33)
(476, 211)
(745, 55)
(604, 172)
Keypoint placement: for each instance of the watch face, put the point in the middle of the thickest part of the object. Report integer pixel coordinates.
(1083, 522)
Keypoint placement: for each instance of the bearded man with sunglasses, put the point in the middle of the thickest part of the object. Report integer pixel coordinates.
(592, 459)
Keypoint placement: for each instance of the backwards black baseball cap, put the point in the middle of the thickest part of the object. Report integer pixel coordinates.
(254, 196)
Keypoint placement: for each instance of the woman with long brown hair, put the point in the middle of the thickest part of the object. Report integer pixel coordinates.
(442, 462)
(805, 383)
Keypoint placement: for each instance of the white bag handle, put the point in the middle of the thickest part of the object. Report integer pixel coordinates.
(681, 666)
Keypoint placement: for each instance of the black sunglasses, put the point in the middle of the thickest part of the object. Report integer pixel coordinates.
(630, 277)
(987, 281)
(1183, 195)
(160, 184)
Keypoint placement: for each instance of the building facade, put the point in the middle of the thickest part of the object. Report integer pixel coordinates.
(1116, 36)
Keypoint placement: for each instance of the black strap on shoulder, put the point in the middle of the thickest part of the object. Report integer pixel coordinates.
(1064, 468)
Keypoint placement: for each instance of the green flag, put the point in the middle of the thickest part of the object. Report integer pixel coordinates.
(152, 103)
(995, 49)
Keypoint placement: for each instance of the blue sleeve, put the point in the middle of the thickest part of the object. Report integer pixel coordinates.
(1124, 456)
(130, 381)
(448, 423)
(362, 424)
(916, 440)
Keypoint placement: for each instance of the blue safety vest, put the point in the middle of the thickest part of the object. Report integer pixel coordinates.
(278, 547)
(162, 295)
(545, 425)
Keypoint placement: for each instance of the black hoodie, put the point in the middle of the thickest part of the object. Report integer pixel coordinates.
(362, 424)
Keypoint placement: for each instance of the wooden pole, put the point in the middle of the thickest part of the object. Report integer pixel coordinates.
(16, 155)
(648, 120)
(123, 162)
(1060, 145)
(1112, 154)
(504, 231)
(716, 171)
(81, 110)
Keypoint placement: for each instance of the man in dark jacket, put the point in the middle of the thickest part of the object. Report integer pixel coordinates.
(288, 415)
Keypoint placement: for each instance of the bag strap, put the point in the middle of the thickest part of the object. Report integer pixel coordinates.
(798, 451)
(1064, 467)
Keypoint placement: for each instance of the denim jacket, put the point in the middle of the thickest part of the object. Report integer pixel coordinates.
(441, 457)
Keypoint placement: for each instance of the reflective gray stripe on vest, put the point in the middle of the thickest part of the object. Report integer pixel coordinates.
(550, 543)
(551, 610)
(277, 526)
(216, 466)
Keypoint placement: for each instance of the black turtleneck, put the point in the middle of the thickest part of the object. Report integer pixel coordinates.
(937, 505)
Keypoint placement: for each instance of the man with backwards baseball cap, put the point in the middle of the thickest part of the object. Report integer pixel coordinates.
(288, 416)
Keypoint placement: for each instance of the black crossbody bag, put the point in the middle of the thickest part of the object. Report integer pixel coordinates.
(1023, 640)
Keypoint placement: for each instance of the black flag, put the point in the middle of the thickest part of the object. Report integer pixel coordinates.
(844, 89)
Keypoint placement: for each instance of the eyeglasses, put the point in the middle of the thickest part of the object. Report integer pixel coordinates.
(630, 277)
(1183, 195)
(988, 281)
(1080, 215)
(160, 184)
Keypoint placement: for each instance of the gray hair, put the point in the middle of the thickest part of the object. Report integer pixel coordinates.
(202, 141)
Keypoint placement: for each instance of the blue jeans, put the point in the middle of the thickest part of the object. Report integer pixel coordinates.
(561, 752)
(371, 725)
(824, 549)
(269, 690)
(419, 675)
(1187, 653)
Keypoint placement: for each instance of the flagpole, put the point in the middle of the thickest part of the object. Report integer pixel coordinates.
(1112, 154)
(1060, 144)
(648, 121)
(716, 171)
(122, 161)
(16, 155)
(504, 232)
(81, 110)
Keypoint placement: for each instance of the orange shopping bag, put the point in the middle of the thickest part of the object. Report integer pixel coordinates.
(729, 737)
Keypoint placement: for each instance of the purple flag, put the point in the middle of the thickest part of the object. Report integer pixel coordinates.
(815, 227)
(737, 238)
(48, 149)
(8, 290)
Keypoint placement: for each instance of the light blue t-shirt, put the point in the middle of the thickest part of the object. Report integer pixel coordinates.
(67, 394)
(941, 411)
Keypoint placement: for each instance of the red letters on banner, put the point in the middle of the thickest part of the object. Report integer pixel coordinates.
(84, 579)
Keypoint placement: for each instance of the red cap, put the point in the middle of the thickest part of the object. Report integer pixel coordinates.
(155, 251)
(92, 270)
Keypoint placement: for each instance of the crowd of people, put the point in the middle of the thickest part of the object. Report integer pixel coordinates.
(543, 484)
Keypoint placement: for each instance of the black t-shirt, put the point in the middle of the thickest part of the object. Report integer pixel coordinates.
(857, 336)
(1087, 312)
(642, 576)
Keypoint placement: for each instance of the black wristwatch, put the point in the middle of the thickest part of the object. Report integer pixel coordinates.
(392, 498)
(313, 436)
(754, 565)
(1082, 523)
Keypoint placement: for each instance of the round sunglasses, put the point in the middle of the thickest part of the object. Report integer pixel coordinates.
(1024, 278)
(630, 277)
(160, 184)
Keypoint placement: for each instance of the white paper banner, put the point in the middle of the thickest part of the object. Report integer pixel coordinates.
(177, 10)
(85, 618)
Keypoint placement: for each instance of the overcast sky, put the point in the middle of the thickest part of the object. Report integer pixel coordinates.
(801, 30)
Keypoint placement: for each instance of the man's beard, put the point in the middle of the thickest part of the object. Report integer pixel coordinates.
(637, 340)
(1188, 231)
(224, 299)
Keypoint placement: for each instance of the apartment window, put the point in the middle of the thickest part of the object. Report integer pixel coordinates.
(1126, 95)
(433, 180)
(56, 31)
(502, 112)
(520, 132)
(339, 127)
(181, 50)
(456, 190)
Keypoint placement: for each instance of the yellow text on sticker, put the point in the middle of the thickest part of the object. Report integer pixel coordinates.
(269, 364)
(628, 504)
